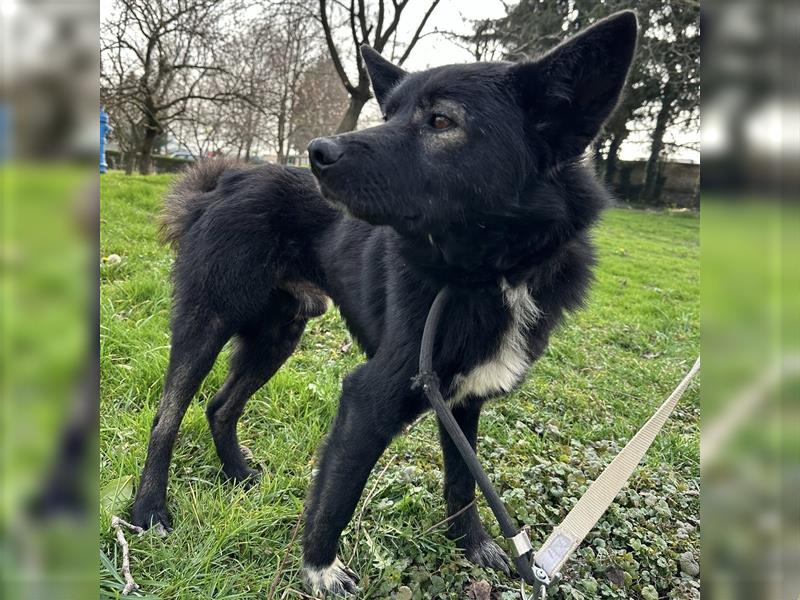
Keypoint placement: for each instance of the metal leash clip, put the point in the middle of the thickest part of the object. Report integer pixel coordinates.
(540, 587)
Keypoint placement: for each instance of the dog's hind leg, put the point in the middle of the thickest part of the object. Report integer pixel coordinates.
(196, 341)
(459, 492)
(261, 349)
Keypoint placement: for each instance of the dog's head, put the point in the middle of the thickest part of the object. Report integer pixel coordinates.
(461, 143)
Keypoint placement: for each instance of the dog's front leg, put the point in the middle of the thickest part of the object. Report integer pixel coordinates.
(459, 492)
(368, 418)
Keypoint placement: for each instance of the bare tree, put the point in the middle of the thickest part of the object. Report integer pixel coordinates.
(201, 129)
(126, 118)
(373, 23)
(292, 54)
(320, 103)
(678, 70)
(155, 55)
(266, 58)
(248, 59)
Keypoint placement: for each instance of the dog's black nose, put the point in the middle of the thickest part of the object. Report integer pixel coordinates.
(323, 152)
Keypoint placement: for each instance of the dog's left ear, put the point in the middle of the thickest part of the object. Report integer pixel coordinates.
(569, 93)
(382, 74)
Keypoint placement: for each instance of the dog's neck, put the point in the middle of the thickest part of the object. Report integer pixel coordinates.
(480, 256)
(512, 245)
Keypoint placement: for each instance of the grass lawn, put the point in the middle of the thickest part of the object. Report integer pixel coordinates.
(604, 373)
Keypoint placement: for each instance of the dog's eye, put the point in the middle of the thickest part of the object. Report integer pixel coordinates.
(441, 122)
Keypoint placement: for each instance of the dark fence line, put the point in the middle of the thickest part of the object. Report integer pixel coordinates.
(678, 183)
(161, 164)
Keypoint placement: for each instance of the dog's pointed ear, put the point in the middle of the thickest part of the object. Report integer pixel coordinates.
(382, 74)
(569, 93)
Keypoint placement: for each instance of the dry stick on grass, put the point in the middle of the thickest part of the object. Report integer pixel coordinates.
(279, 572)
(117, 524)
(451, 517)
(414, 423)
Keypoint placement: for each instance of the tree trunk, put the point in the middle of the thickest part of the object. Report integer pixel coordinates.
(612, 160)
(350, 118)
(650, 190)
(146, 151)
(248, 145)
(130, 161)
(130, 155)
(281, 139)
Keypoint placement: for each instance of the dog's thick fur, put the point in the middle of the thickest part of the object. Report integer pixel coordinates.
(475, 180)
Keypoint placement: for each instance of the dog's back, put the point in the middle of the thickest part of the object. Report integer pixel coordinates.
(241, 232)
(228, 185)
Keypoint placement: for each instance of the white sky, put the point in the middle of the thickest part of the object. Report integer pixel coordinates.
(450, 15)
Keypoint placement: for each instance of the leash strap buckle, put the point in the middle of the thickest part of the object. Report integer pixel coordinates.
(520, 544)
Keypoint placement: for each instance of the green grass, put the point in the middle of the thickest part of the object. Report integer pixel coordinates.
(605, 371)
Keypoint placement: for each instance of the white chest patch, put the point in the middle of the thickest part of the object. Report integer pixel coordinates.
(506, 368)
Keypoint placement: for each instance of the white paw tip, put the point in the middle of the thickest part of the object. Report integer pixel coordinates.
(335, 579)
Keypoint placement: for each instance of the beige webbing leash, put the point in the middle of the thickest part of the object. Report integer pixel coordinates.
(569, 534)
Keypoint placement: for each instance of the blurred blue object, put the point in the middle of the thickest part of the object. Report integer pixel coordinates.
(105, 128)
(5, 132)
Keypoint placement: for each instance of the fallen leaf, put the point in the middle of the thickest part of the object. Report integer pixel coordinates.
(404, 593)
(479, 590)
(616, 576)
(688, 564)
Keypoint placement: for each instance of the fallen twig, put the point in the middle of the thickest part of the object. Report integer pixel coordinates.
(411, 426)
(450, 518)
(117, 524)
(279, 572)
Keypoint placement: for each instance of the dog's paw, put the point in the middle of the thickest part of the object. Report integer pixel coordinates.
(152, 516)
(486, 553)
(242, 474)
(333, 580)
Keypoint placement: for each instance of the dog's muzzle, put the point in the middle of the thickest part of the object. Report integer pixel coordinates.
(324, 152)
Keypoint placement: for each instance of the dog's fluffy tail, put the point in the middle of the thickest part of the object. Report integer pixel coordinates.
(188, 198)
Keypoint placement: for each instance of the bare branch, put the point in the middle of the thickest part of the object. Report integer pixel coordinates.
(415, 38)
(334, 52)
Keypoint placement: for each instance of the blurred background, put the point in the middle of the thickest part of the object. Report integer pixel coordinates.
(49, 134)
(183, 80)
(750, 448)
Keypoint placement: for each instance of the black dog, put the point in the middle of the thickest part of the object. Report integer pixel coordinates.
(476, 180)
